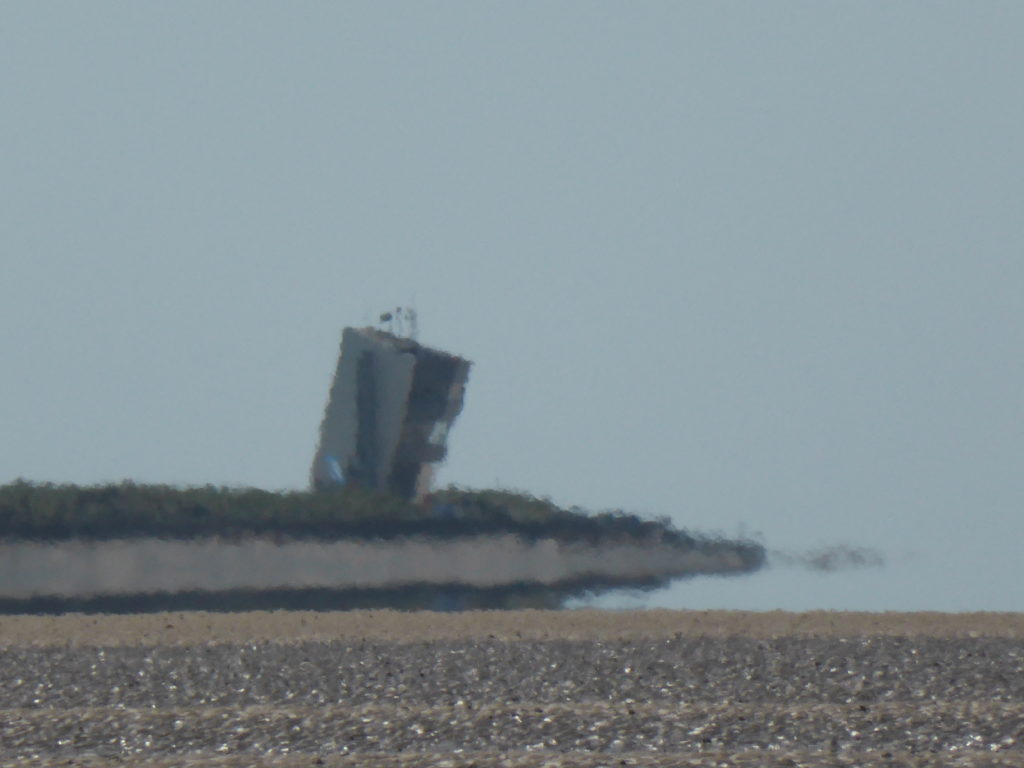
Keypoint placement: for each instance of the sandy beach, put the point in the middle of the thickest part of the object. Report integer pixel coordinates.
(395, 626)
(531, 688)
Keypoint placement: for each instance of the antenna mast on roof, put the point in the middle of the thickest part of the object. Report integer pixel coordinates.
(400, 322)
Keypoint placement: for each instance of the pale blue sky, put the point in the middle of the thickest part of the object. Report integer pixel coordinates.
(738, 263)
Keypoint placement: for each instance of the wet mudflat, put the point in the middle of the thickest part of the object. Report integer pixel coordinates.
(518, 689)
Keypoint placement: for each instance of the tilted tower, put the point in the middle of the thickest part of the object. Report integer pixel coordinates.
(391, 405)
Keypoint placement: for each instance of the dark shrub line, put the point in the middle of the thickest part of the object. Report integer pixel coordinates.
(127, 510)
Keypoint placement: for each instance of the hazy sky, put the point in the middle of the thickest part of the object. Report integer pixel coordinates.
(740, 263)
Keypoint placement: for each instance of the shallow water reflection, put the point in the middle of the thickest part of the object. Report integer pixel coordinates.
(921, 581)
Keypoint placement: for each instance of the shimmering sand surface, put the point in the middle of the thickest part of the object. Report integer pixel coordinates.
(196, 628)
(583, 688)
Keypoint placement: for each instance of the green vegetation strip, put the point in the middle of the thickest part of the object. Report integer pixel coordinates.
(127, 510)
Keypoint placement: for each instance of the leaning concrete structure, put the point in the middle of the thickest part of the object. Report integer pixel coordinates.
(391, 405)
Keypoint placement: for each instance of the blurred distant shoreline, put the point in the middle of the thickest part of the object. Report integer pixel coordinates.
(127, 548)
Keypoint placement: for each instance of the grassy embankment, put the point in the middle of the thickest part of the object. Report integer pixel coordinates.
(127, 510)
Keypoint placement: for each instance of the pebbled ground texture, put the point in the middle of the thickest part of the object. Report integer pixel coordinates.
(584, 688)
